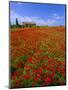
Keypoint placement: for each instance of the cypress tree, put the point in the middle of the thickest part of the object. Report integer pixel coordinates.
(17, 24)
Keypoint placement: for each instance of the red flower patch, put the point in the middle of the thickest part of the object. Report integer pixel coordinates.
(26, 77)
(48, 80)
(27, 67)
(30, 60)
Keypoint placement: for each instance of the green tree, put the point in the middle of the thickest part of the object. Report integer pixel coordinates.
(17, 24)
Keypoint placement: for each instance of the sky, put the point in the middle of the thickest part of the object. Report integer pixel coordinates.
(41, 14)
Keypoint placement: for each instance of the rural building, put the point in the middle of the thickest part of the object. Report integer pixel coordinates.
(28, 24)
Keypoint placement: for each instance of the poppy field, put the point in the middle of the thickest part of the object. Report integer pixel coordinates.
(37, 57)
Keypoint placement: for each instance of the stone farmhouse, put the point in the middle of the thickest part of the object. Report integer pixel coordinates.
(28, 24)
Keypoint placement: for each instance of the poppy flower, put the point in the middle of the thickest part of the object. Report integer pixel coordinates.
(19, 65)
(48, 80)
(36, 79)
(38, 75)
(40, 70)
(30, 60)
(27, 67)
(35, 71)
(26, 77)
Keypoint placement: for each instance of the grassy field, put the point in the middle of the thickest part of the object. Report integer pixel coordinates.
(37, 57)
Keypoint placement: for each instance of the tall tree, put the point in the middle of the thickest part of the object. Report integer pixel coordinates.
(17, 24)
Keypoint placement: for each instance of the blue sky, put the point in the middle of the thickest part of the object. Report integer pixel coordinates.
(41, 14)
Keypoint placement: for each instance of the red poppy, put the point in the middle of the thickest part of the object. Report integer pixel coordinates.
(36, 79)
(27, 67)
(35, 71)
(46, 57)
(48, 80)
(40, 70)
(14, 75)
(38, 75)
(30, 60)
(26, 77)
(19, 65)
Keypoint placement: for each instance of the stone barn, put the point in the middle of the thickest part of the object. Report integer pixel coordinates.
(28, 24)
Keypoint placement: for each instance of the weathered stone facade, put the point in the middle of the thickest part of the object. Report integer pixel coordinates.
(28, 24)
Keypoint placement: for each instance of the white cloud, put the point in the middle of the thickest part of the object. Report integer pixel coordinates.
(26, 18)
(37, 20)
(50, 21)
(21, 19)
(13, 16)
(57, 17)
